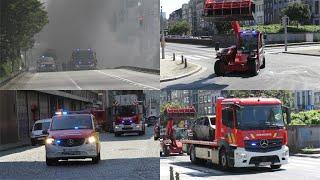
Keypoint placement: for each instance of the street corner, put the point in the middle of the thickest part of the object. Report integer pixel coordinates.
(171, 69)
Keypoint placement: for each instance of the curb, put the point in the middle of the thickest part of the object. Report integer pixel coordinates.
(183, 75)
(5, 81)
(292, 44)
(13, 146)
(140, 69)
(304, 155)
(317, 55)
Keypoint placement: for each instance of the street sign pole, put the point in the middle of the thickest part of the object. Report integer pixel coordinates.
(285, 21)
(162, 35)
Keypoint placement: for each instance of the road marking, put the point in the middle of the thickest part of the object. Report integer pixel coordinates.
(128, 81)
(73, 82)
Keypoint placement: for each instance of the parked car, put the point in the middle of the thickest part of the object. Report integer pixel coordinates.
(72, 136)
(37, 136)
(204, 128)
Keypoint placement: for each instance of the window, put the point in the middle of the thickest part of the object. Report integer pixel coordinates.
(209, 99)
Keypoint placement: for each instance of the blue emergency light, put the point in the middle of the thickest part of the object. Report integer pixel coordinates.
(58, 141)
(253, 144)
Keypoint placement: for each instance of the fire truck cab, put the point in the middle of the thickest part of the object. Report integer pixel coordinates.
(249, 132)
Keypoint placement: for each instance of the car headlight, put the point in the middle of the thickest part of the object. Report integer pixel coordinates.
(137, 126)
(241, 155)
(49, 141)
(285, 153)
(92, 139)
(117, 127)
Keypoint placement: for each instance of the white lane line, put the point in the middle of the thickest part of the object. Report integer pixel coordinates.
(128, 81)
(73, 82)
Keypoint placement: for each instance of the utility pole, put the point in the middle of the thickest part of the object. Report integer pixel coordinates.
(162, 35)
(285, 22)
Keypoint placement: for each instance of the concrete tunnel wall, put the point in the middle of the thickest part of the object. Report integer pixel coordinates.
(123, 32)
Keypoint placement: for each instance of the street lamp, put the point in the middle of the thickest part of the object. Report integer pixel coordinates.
(162, 35)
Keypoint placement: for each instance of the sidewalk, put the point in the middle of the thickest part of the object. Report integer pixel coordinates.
(10, 146)
(172, 70)
(313, 52)
(311, 153)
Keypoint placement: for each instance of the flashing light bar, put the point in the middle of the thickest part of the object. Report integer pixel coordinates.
(61, 113)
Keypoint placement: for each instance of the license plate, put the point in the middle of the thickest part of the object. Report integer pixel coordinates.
(265, 163)
(71, 153)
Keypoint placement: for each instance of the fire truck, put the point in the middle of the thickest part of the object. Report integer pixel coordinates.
(247, 55)
(128, 115)
(249, 132)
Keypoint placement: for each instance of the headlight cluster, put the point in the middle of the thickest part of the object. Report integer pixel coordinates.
(49, 141)
(285, 152)
(241, 155)
(92, 139)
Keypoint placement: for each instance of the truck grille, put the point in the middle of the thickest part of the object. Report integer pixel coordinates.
(259, 159)
(263, 145)
(71, 142)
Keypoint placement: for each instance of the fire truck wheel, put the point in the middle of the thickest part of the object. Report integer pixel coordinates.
(193, 157)
(51, 162)
(223, 159)
(263, 63)
(219, 68)
(275, 166)
(254, 70)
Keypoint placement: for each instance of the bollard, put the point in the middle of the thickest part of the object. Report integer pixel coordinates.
(171, 173)
(181, 59)
(177, 176)
(185, 63)
(174, 56)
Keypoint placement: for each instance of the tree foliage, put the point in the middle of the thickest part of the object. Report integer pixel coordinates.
(297, 12)
(180, 28)
(20, 21)
(305, 118)
(223, 27)
(285, 96)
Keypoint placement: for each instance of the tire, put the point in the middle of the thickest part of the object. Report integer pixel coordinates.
(263, 63)
(253, 69)
(51, 162)
(275, 166)
(219, 68)
(116, 134)
(166, 152)
(33, 142)
(223, 159)
(193, 158)
(96, 159)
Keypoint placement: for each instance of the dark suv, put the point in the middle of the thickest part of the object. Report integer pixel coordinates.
(84, 59)
(204, 128)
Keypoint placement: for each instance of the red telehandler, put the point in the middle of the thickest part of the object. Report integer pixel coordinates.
(248, 53)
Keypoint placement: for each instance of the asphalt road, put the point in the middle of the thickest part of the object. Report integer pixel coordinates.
(109, 79)
(283, 71)
(126, 157)
(301, 168)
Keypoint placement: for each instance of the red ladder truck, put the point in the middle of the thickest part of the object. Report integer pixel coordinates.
(249, 132)
(247, 55)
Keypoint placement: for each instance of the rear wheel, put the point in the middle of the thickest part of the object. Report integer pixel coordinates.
(193, 157)
(33, 142)
(253, 68)
(51, 162)
(96, 159)
(223, 160)
(275, 166)
(219, 68)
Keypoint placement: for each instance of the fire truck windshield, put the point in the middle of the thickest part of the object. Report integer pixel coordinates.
(71, 122)
(260, 117)
(127, 110)
(248, 42)
(83, 55)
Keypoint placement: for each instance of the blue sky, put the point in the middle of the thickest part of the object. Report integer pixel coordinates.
(171, 5)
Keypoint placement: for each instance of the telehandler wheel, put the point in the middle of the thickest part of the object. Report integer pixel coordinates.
(223, 159)
(253, 67)
(263, 63)
(219, 68)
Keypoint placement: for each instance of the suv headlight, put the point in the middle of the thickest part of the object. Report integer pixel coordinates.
(285, 152)
(92, 139)
(49, 141)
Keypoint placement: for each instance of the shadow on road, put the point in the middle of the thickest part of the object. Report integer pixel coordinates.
(219, 172)
(126, 168)
(17, 150)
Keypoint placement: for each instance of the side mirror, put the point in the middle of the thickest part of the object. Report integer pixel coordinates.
(288, 114)
(217, 46)
(45, 132)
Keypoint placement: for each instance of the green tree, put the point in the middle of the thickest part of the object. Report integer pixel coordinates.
(223, 27)
(180, 28)
(285, 96)
(297, 12)
(20, 21)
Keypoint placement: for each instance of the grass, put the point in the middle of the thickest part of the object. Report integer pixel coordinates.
(6, 68)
